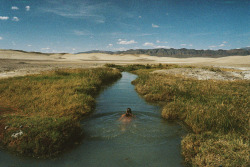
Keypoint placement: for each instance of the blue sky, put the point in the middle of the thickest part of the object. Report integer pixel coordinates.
(83, 25)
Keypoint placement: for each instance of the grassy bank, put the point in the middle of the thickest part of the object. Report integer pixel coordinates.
(39, 114)
(216, 111)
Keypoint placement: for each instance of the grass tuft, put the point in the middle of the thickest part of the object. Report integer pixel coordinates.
(209, 149)
(47, 108)
(216, 111)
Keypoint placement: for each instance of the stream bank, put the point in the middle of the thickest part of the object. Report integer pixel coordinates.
(148, 140)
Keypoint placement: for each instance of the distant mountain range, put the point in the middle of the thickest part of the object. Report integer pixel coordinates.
(246, 48)
(180, 53)
(98, 51)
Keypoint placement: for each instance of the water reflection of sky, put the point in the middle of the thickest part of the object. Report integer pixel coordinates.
(121, 96)
(147, 135)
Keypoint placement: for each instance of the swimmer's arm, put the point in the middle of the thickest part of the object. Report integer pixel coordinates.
(121, 117)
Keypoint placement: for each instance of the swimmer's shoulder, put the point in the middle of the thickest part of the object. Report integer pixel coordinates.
(123, 115)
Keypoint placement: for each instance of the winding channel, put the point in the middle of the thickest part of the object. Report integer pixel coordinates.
(148, 140)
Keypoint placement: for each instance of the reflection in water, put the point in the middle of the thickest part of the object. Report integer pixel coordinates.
(146, 140)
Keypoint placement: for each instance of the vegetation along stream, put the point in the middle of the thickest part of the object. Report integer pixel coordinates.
(148, 140)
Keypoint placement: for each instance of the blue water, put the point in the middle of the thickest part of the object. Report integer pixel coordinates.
(148, 140)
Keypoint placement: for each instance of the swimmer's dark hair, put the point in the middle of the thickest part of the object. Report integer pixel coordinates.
(129, 112)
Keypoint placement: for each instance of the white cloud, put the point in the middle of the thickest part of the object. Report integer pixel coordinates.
(27, 8)
(155, 46)
(84, 10)
(139, 17)
(221, 45)
(149, 44)
(190, 44)
(14, 8)
(155, 26)
(29, 45)
(212, 46)
(45, 48)
(184, 44)
(161, 46)
(4, 17)
(1, 38)
(13, 43)
(15, 19)
(125, 42)
(110, 45)
(158, 41)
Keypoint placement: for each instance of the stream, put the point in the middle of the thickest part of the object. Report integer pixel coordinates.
(148, 140)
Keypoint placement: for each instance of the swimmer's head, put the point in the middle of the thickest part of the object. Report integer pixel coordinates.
(128, 112)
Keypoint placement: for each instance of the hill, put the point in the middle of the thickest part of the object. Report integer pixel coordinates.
(185, 53)
(246, 48)
(97, 51)
(180, 53)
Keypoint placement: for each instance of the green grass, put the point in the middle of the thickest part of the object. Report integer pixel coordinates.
(48, 107)
(216, 111)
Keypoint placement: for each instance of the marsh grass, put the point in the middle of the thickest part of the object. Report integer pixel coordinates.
(150, 67)
(48, 107)
(213, 149)
(216, 111)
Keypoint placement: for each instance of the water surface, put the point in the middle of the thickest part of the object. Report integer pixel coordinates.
(148, 140)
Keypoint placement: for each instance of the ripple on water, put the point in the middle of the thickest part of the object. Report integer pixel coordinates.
(147, 140)
(146, 128)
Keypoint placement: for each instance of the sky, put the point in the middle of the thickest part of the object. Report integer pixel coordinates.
(82, 25)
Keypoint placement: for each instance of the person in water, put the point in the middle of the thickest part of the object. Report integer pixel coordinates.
(127, 117)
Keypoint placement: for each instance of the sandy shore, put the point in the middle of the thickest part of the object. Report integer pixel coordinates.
(17, 63)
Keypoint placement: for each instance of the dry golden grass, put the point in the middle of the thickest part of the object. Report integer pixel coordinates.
(217, 111)
(48, 108)
(209, 149)
(220, 106)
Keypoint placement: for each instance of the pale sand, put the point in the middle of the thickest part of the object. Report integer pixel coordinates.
(15, 63)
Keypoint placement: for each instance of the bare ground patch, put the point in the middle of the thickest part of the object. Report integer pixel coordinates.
(208, 74)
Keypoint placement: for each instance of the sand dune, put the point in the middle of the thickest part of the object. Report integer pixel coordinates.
(16, 63)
